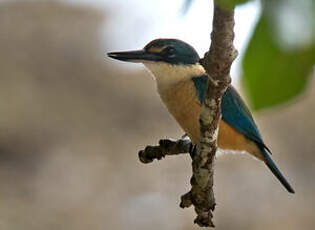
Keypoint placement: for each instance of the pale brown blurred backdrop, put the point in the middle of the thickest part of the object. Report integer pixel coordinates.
(72, 123)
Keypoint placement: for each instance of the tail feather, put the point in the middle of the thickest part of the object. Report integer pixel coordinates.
(274, 169)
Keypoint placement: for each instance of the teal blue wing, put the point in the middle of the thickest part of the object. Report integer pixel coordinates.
(236, 114)
(234, 111)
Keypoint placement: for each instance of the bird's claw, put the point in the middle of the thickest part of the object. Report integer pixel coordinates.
(192, 150)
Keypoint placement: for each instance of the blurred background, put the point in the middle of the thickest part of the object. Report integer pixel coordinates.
(72, 122)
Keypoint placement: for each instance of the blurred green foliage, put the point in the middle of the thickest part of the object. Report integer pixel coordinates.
(272, 75)
(275, 69)
(281, 53)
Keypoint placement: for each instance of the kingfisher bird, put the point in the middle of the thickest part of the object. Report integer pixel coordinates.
(181, 83)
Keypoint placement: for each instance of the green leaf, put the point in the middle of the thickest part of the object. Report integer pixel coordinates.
(272, 75)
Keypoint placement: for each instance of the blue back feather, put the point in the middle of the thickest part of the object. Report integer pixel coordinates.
(234, 111)
(201, 87)
(237, 115)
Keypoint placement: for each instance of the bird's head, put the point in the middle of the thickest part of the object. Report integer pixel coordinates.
(170, 51)
(170, 60)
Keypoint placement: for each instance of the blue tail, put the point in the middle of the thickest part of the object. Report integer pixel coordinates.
(274, 169)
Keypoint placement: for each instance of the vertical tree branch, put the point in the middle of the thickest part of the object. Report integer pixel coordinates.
(217, 63)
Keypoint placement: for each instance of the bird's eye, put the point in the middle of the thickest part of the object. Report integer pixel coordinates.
(168, 51)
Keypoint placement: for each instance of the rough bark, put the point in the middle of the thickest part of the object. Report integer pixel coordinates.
(217, 63)
(165, 147)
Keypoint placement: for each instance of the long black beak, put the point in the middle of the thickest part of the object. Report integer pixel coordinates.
(134, 56)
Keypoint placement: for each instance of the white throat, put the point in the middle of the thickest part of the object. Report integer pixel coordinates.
(167, 75)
